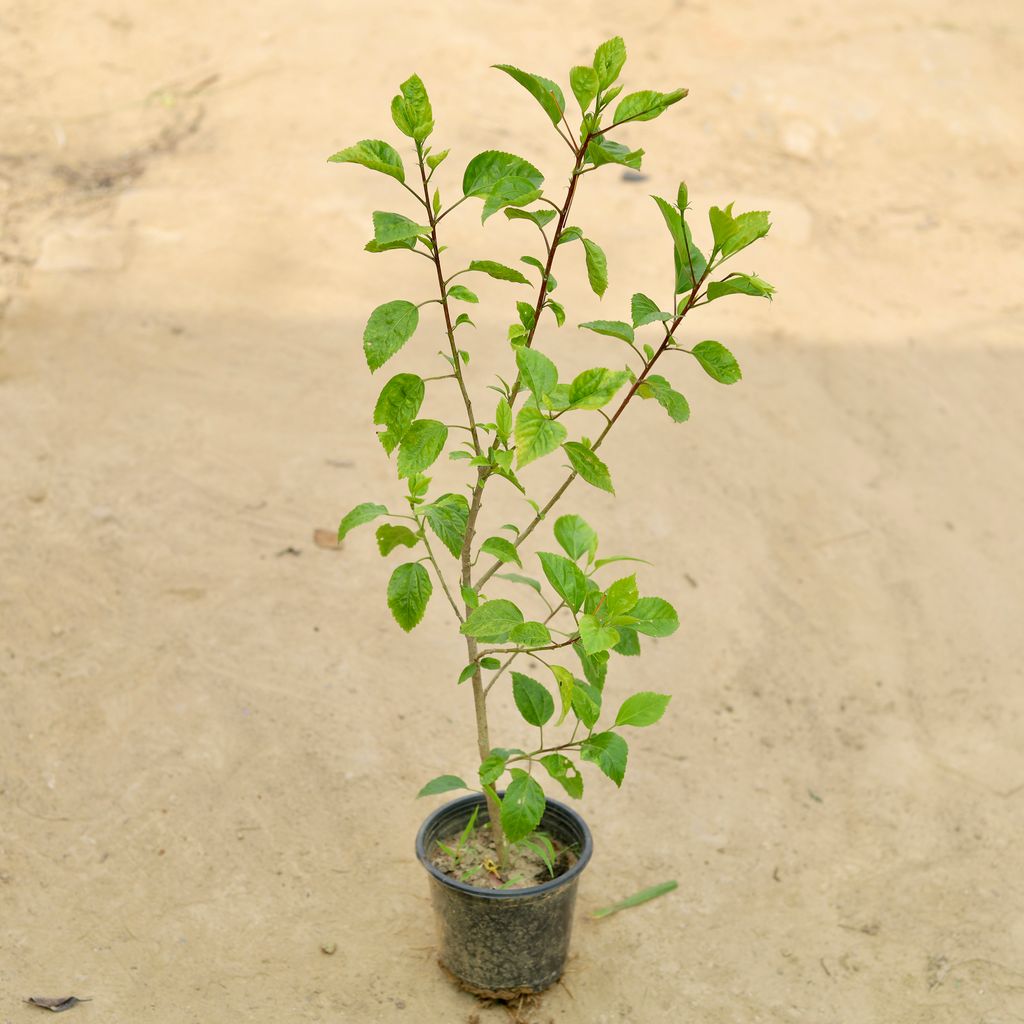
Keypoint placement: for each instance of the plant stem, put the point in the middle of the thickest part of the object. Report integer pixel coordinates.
(508, 661)
(440, 575)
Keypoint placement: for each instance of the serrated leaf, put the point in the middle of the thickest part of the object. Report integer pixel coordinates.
(642, 709)
(390, 537)
(740, 284)
(656, 387)
(646, 311)
(462, 293)
(584, 84)
(409, 591)
(564, 772)
(533, 700)
(486, 169)
(718, 362)
(447, 517)
(595, 666)
(361, 514)
(558, 310)
(422, 444)
(522, 807)
(509, 192)
(411, 110)
(687, 255)
(539, 375)
(629, 643)
(389, 228)
(390, 326)
(442, 784)
(609, 751)
(374, 154)
(645, 105)
(539, 217)
(595, 388)
(565, 577)
(597, 267)
(566, 684)
(608, 61)
(492, 767)
(399, 402)
(586, 703)
(498, 271)
(576, 536)
(735, 233)
(536, 435)
(654, 617)
(590, 468)
(501, 549)
(605, 151)
(541, 89)
(595, 636)
(530, 634)
(492, 621)
(434, 160)
(621, 596)
(610, 328)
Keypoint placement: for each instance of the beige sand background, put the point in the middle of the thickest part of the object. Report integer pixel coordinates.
(208, 748)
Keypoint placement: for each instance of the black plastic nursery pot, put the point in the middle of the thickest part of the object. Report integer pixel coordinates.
(504, 943)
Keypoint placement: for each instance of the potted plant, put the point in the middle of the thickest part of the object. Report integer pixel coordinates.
(504, 861)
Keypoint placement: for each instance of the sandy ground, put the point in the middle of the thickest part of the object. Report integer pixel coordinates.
(208, 746)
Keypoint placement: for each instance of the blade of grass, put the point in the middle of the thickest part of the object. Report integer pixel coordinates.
(637, 898)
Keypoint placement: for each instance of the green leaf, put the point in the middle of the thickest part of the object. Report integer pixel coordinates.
(540, 89)
(399, 402)
(390, 537)
(621, 596)
(655, 617)
(492, 621)
(735, 233)
(609, 751)
(566, 685)
(361, 514)
(530, 634)
(686, 253)
(522, 807)
(586, 703)
(420, 447)
(656, 387)
(514, 577)
(536, 435)
(589, 466)
(470, 596)
(718, 362)
(595, 666)
(486, 169)
(629, 643)
(447, 517)
(595, 636)
(565, 577)
(409, 591)
(442, 784)
(563, 771)
(645, 105)
(610, 328)
(605, 151)
(501, 549)
(597, 267)
(646, 311)
(650, 893)
(389, 228)
(498, 271)
(467, 673)
(608, 61)
(576, 536)
(493, 767)
(642, 709)
(740, 284)
(509, 192)
(539, 374)
(558, 310)
(374, 154)
(593, 389)
(532, 699)
(570, 234)
(584, 84)
(411, 110)
(461, 292)
(390, 326)
(435, 160)
(539, 217)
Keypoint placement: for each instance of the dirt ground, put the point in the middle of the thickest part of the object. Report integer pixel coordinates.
(211, 731)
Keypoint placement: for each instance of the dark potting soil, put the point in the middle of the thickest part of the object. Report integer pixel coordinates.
(478, 862)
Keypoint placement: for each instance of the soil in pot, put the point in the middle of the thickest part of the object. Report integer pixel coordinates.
(471, 857)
